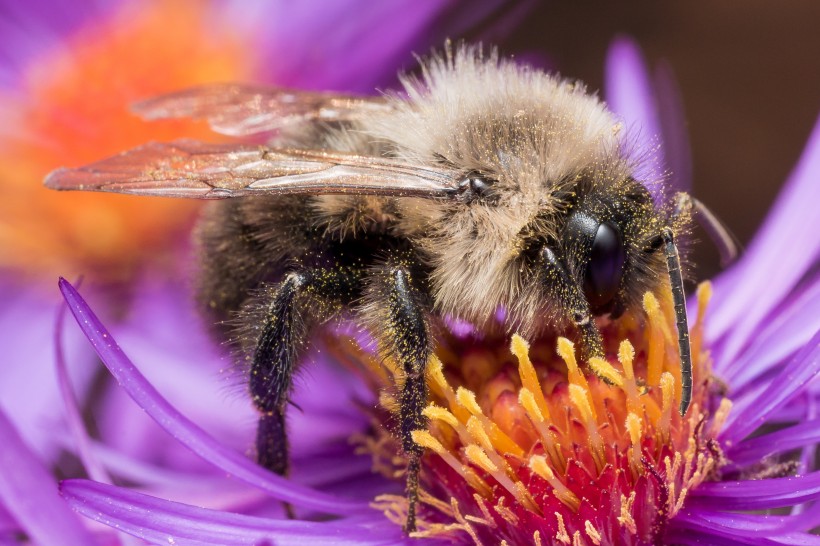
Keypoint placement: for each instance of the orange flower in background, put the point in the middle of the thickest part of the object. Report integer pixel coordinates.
(71, 108)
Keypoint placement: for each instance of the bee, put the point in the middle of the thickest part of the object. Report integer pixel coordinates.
(485, 185)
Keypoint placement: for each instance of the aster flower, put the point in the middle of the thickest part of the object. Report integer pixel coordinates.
(668, 478)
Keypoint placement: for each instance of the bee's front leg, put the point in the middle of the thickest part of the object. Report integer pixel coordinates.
(395, 309)
(286, 312)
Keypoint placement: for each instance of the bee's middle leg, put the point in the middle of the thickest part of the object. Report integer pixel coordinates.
(291, 307)
(399, 309)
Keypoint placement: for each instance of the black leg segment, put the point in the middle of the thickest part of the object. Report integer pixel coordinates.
(406, 335)
(289, 309)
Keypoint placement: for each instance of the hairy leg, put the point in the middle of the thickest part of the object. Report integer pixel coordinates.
(396, 309)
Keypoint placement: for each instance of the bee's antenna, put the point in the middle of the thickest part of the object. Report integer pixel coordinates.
(723, 239)
(679, 299)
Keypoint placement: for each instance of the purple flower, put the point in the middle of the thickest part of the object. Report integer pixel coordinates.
(762, 330)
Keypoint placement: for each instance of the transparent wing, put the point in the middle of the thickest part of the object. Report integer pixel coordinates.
(241, 110)
(188, 168)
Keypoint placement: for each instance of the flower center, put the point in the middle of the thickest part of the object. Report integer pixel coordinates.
(525, 445)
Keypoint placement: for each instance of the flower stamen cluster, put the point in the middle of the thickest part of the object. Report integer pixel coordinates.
(527, 445)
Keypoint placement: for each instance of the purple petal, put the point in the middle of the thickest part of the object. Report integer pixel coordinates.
(163, 521)
(754, 450)
(72, 410)
(687, 535)
(780, 254)
(629, 94)
(751, 412)
(757, 494)
(28, 385)
(29, 493)
(673, 123)
(790, 327)
(743, 525)
(307, 45)
(186, 432)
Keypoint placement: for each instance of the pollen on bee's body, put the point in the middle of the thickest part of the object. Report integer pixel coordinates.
(540, 446)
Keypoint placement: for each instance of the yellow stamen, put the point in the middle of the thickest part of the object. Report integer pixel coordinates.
(436, 413)
(626, 354)
(592, 533)
(561, 536)
(578, 395)
(581, 398)
(604, 369)
(500, 440)
(626, 518)
(668, 401)
(527, 401)
(633, 427)
(538, 464)
(657, 346)
(442, 387)
(720, 416)
(566, 350)
(478, 457)
(529, 379)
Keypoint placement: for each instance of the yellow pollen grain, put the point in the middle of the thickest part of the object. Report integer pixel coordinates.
(656, 339)
(604, 369)
(500, 441)
(562, 536)
(566, 350)
(626, 519)
(477, 456)
(579, 397)
(476, 482)
(538, 464)
(436, 413)
(527, 401)
(633, 427)
(668, 401)
(592, 533)
(526, 370)
(478, 433)
(626, 355)
(443, 388)
(467, 399)
(720, 416)
(704, 295)
(426, 440)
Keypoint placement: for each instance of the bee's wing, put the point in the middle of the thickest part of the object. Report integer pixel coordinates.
(187, 168)
(241, 110)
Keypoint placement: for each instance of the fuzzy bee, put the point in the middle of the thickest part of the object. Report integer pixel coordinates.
(485, 185)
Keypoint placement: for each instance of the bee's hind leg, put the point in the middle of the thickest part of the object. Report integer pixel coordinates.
(288, 311)
(395, 309)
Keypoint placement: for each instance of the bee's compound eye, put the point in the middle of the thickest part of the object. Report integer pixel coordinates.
(605, 267)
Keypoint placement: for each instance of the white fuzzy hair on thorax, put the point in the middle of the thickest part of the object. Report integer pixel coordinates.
(531, 132)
